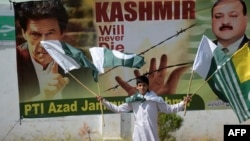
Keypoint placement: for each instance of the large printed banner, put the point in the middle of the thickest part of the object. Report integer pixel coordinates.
(166, 33)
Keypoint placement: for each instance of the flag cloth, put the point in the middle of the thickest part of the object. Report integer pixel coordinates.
(233, 79)
(205, 64)
(135, 97)
(230, 75)
(149, 96)
(68, 57)
(203, 57)
(103, 58)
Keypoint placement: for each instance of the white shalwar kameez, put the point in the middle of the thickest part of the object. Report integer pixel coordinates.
(146, 114)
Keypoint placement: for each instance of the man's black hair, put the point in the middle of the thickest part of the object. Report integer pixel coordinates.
(37, 10)
(241, 1)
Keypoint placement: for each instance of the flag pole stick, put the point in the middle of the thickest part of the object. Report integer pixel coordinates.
(190, 81)
(204, 83)
(82, 84)
(198, 88)
(91, 92)
(103, 123)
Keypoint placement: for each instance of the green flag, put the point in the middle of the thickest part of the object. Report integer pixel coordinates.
(233, 80)
(104, 58)
(228, 76)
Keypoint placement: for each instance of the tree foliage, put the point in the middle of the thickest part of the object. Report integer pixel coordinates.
(168, 123)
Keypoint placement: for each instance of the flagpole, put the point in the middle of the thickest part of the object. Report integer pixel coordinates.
(204, 83)
(189, 86)
(91, 92)
(103, 123)
(82, 84)
(199, 87)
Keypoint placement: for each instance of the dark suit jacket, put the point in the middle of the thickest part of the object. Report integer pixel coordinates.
(28, 80)
(213, 67)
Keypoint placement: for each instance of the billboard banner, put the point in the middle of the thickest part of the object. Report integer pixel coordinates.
(166, 33)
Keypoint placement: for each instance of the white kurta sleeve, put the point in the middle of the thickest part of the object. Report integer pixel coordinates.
(166, 108)
(123, 108)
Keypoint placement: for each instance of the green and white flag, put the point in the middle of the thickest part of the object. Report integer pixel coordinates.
(68, 57)
(104, 58)
(203, 57)
(205, 64)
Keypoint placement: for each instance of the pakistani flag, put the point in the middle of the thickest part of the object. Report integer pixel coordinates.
(68, 57)
(203, 57)
(104, 58)
(205, 64)
(228, 76)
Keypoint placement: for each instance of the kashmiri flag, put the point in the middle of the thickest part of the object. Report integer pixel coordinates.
(228, 76)
(103, 58)
(68, 57)
(233, 79)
